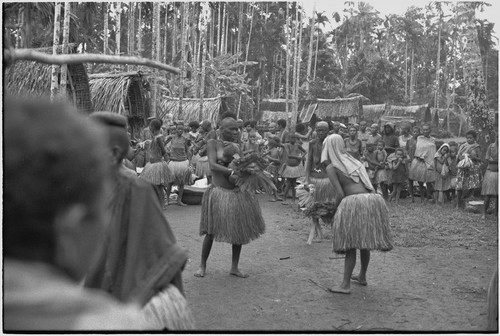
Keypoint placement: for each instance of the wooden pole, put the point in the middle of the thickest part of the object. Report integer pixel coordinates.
(54, 84)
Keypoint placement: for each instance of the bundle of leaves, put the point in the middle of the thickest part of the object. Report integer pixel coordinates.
(324, 210)
(251, 170)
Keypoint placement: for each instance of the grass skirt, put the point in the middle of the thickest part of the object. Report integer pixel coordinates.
(381, 176)
(362, 222)
(293, 172)
(168, 309)
(469, 178)
(180, 171)
(194, 160)
(231, 216)
(490, 183)
(420, 172)
(442, 183)
(156, 173)
(324, 190)
(203, 167)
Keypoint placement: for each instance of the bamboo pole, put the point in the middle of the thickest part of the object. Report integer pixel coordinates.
(246, 55)
(106, 27)
(12, 55)
(118, 28)
(287, 67)
(54, 85)
(64, 67)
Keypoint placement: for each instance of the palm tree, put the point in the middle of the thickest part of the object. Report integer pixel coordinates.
(321, 19)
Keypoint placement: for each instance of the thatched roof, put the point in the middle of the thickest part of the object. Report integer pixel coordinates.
(457, 120)
(190, 109)
(416, 112)
(372, 113)
(33, 79)
(122, 93)
(339, 107)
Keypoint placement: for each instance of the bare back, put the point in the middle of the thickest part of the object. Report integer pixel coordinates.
(343, 185)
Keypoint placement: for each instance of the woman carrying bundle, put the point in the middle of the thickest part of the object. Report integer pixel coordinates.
(362, 218)
(228, 214)
(469, 172)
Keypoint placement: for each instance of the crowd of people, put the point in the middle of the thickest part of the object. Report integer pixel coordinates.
(87, 245)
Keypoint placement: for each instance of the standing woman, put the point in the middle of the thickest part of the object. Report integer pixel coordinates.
(469, 175)
(227, 213)
(178, 163)
(353, 144)
(490, 180)
(156, 170)
(362, 218)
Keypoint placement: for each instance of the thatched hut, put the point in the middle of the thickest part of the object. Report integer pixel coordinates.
(272, 110)
(33, 79)
(406, 114)
(122, 93)
(372, 113)
(346, 110)
(190, 109)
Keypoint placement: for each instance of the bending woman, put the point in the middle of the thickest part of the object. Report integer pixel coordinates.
(362, 218)
(227, 213)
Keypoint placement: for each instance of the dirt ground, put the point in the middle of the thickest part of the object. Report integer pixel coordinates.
(435, 279)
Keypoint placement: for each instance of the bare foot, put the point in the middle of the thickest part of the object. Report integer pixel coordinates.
(179, 203)
(361, 282)
(339, 290)
(272, 200)
(285, 203)
(238, 274)
(483, 217)
(279, 199)
(200, 273)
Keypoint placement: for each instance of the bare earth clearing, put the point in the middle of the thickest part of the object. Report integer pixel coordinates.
(435, 279)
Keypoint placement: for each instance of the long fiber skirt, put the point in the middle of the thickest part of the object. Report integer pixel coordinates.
(294, 172)
(362, 222)
(490, 183)
(420, 172)
(156, 173)
(203, 167)
(181, 172)
(231, 216)
(442, 183)
(168, 309)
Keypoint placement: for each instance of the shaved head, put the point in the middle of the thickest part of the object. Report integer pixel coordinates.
(322, 124)
(116, 127)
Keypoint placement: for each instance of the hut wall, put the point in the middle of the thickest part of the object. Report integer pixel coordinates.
(190, 109)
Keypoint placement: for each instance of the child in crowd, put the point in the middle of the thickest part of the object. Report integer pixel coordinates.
(399, 174)
(441, 165)
(292, 165)
(452, 166)
(490, 181)
(381, 174)
(274, 157)
(252, 144)
(411, 146)
(370, 159)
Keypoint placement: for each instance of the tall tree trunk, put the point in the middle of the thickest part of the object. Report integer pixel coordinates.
(184, 33)
(240, 27)
(246, 54)
(118, 28)
(155, 54)
(287, 66)
(310, 56)
(227, 28)
(165, 40)
(20, 18)
(406, 68)
(131, 28)
(219, 28)
(412, 74)
(174, 35)
(212, 34)
(105, 6)
(139, 30)
(54, 84)
(280, 74)
(204, 15)
(316, 57)
(64, 67)
(436, 97)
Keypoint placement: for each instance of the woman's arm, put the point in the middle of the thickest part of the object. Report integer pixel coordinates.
(309, 162)
(337, 187)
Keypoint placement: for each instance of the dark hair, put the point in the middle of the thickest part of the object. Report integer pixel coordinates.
(155, 125)
(194, 124)
(228, 115)
(300, 128)
(116, 126)
(399, 149)
(381, 141)
(471, 132)
(53, 158)
(281, 123)
(247, 123)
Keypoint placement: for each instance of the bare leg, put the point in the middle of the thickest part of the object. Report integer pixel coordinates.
(235, 260)
(430, 191)
(398, 192)
(422, 192)
(205, 252)
(487, 199)
(160, 194)
(393, 193)
(383, 186)
(410, 187)
(209, 180)
(350, 262)
(293, 183)
(169, 190)
(365, 260)
(181, 192)
(285, 194)
(460, 199)
(315, 229)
